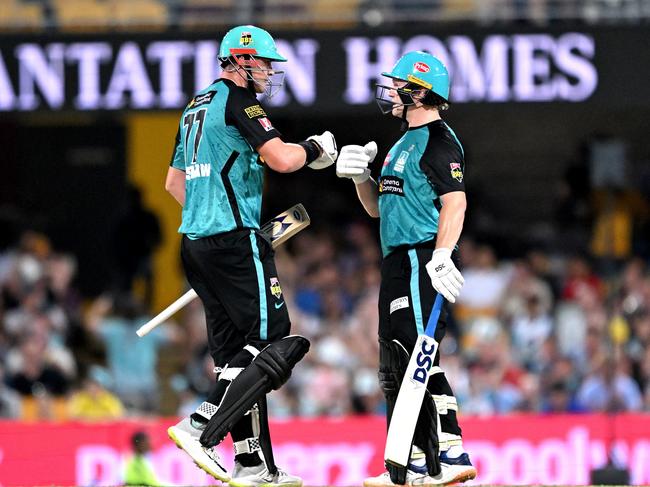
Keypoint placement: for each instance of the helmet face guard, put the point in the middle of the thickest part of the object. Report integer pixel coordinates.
(405, 93)
(247, 62)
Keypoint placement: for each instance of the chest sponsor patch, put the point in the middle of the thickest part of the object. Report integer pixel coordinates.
(401, 161)
(399, 303)
(456, 171)
(391, 185)
(255, 111)
(266, 123)
(203, 99)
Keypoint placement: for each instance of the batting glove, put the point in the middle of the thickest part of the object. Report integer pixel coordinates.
(445, 278)
(354, 160)
(327, 146)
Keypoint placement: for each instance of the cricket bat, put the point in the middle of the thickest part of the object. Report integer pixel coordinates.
(279, 229)
(411, 393)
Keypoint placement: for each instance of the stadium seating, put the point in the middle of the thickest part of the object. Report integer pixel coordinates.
(16, 15)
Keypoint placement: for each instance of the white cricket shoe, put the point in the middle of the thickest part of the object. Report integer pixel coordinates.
(259, 476)
(460, 467)
(187, 437)
(445, 477)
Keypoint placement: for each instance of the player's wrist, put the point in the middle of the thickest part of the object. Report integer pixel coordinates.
(442, 252)
(361, 178)
(312, 150)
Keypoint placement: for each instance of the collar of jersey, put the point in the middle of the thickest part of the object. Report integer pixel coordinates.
(440, 120)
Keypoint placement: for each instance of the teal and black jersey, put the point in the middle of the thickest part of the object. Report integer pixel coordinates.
(424, 164)
(217, 136)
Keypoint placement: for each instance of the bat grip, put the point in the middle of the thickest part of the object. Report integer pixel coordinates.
(434, 316)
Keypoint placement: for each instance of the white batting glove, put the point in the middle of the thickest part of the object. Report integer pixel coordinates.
(445, 278)
(327, 145)
(354, 160)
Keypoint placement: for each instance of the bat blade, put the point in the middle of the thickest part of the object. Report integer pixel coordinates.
(409, 401)
(411, 392)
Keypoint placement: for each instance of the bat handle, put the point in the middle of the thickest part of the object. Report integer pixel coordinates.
(434, 316)
(167, 313)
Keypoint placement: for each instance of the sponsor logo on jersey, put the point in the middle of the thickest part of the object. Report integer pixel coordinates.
(387, 160)
(399, 303)
(266, 123)
(276, 290)
(456, 171)
(255, 111)
(422, 67)
(203, 99)
(401, 161)
(391, 185)
(245, 39)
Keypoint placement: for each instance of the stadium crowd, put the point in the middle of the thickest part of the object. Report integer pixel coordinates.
(543, 332)
(157, 15)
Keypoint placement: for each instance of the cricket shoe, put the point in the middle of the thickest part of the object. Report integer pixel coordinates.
(186, 437)
(259, 476)
(460, 467)
(413, 478)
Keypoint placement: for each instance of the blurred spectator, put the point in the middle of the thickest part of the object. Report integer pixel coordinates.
(558, 399)
(609, 387)
(135, 237)
(138, 469)
(94, 401)
(580, 279)
(485, 283)
(10, 405)
(32, 366)
(523, 286)
(530, 329)
(131, 360)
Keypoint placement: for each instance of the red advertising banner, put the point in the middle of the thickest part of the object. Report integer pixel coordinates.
(525, 449)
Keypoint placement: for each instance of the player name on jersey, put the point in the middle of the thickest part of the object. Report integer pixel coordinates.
(194, 171)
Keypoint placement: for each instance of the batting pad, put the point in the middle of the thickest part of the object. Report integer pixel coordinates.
(268, 371)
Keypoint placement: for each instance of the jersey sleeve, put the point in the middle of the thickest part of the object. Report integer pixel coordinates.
(178, 156)
(444, 166)
(245, 112)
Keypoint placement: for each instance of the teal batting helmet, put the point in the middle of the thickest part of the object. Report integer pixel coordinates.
(248, 39)
(424, 70)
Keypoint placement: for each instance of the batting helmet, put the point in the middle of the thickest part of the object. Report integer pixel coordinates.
(422, 69)
(248, 39)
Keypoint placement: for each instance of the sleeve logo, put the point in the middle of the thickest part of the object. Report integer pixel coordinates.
(456, 171)
(266, 123)
(255, 111)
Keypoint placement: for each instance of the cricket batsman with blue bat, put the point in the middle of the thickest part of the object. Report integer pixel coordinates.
(420, 201)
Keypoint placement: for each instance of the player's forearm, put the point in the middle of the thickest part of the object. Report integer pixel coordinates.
(293, 158)
(450, 223)
(175, 184)
(369, 197)
(282, 156)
